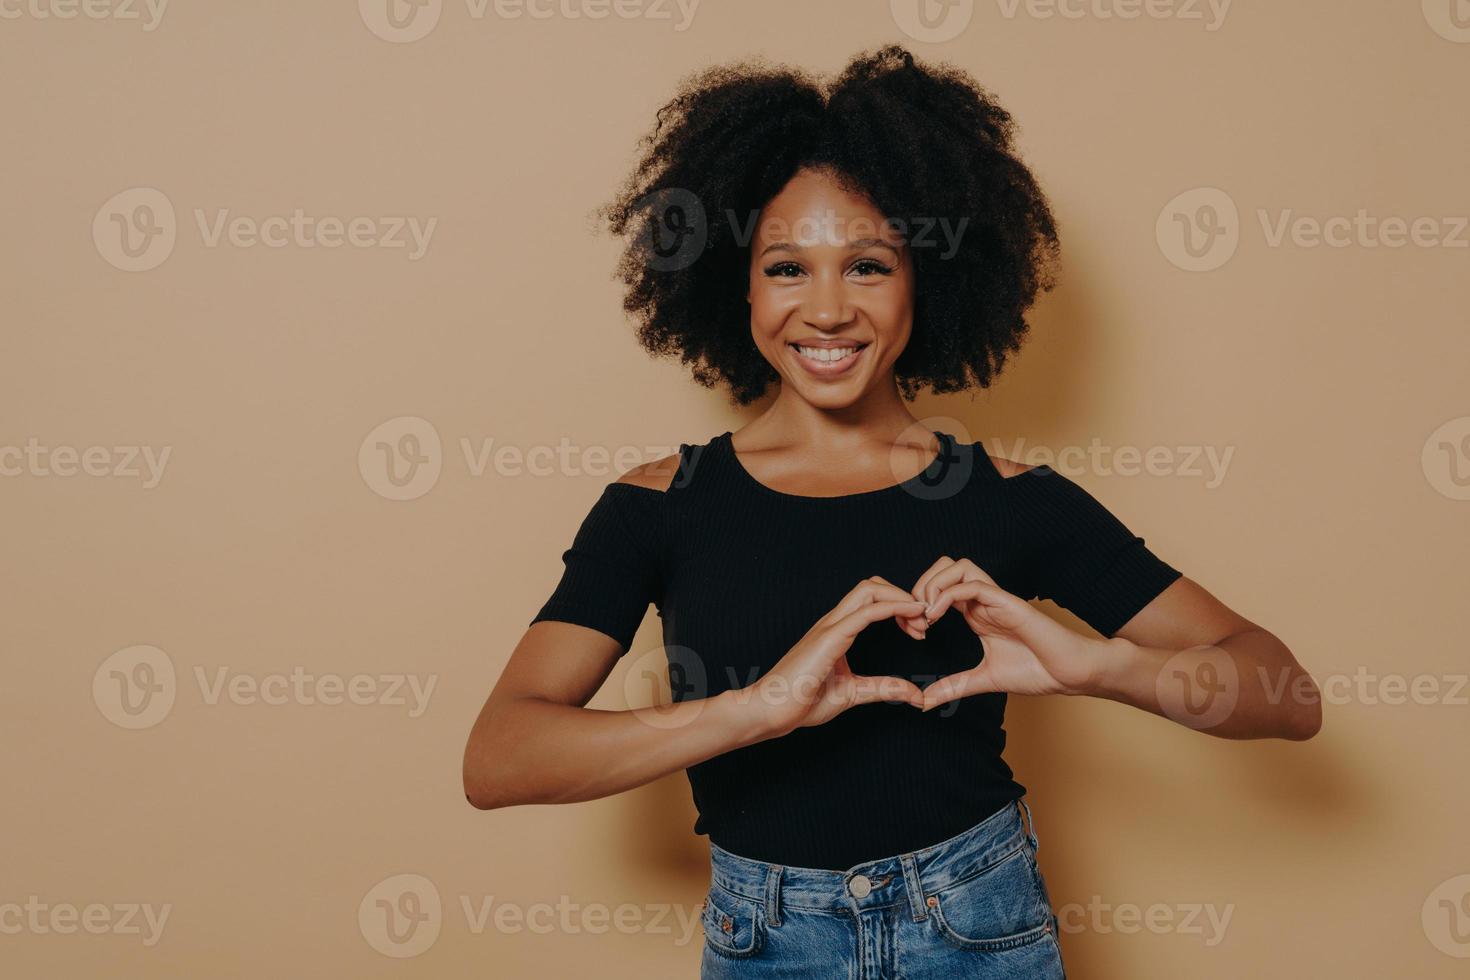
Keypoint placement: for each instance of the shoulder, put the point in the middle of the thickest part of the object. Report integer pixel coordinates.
(660, 474)
(998, 466)
(654, 475)
(1008, 468)
(1039, 490)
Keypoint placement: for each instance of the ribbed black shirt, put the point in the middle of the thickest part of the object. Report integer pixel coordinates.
(740, 572)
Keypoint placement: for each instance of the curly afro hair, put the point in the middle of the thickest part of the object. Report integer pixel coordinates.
(921, 143)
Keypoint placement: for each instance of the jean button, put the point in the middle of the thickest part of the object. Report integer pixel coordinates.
(860, 885)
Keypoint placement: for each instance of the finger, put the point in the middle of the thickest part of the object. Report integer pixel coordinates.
(963, 570)
(988, 593)
(856, 621)
(867, 591)
(974, 571)
(867, 689)
(942, 563)
(976, 680)
(875, 589)
(945, 578)
(915, 626)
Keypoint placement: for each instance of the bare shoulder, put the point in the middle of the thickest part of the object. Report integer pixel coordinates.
(1008, 467)
(655, 475)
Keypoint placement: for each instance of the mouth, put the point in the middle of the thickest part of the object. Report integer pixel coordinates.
(828, 362)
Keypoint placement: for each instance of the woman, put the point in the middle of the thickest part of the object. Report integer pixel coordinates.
(844, 591)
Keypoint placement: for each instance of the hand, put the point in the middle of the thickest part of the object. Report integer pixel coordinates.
(1024, 651)
(813, 683)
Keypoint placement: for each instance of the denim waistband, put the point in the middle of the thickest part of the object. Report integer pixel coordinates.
(904, 877)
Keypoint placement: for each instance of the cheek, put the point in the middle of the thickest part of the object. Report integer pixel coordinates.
(889, 310)
(769, 308)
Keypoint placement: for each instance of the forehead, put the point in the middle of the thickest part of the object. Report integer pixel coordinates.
(814, 209)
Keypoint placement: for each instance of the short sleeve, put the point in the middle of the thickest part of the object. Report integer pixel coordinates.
(613, 569)
(1081, 556)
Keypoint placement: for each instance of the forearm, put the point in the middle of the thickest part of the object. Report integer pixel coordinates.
(1247, 685)
(536, 751)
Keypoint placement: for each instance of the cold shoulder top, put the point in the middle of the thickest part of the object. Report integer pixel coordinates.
(739, 572)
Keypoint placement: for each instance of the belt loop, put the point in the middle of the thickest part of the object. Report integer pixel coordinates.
(773, 894)
(913, 887)
(1030, 825)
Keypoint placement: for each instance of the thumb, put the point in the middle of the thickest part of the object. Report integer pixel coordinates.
(977, 680)
(868, 689)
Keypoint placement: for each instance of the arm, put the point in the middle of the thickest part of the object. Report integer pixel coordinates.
(535, 742)
(1185, 656)
(1186, 644)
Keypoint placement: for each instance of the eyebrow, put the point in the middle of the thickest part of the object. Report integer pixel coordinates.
(857, 245)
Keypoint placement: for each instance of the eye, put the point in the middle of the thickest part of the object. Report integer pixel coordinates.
(871, 267)
(783, 270)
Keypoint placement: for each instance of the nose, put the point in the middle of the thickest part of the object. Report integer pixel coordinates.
(826, 304)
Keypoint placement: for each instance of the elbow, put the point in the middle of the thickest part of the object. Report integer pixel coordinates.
(487, 786)
(1298, 701)
(481, 801)
(497, 790)
(1304, 720)
(477, 793)
(487, 791)
(500, 768)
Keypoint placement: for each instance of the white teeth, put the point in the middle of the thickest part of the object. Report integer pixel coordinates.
(826, 353)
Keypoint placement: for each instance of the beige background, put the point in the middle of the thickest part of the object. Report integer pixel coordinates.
(268, 547)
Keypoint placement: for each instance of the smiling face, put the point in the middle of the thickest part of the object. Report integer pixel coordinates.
(831, 291)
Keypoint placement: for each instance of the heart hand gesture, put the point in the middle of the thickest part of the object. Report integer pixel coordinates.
(813, 682)
(1024, 651)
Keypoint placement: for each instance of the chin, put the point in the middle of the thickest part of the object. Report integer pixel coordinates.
(832, 396)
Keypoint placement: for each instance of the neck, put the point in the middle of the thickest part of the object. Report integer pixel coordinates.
(881, 416)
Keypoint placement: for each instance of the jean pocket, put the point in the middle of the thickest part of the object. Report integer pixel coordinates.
(1041, 884)
(999, 908)
(733, 924)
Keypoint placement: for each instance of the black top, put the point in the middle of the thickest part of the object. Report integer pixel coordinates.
(739, 573)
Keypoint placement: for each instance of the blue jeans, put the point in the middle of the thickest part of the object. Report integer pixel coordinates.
(971, 906)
